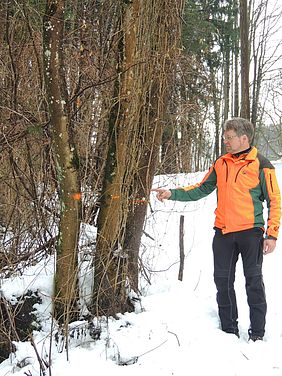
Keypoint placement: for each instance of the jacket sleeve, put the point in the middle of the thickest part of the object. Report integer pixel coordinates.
(272, 196)
(198, 191)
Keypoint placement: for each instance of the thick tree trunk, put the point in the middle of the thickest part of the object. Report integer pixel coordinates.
(161, 17)
(66, 288)
(136, 124)
(143, 179)
(110, 260)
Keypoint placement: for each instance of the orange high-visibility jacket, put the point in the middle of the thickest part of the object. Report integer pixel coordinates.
(242, 184)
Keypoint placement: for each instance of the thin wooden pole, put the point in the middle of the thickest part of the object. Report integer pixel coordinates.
(181, 248)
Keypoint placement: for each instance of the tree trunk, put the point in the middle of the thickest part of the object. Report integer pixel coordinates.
(136, 124)
(66, 287)
(110, 261)
(226, 70)
(169, 160)
(258, 57)
(216, 106)
(158, 74)
(143, 179)
(184, 153)
(236, 85)
(226, 85)
(244, 38)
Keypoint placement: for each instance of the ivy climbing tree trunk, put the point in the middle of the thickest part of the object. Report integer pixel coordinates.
(157, 79)
(66, 287)
(109, 296)
(135, 126)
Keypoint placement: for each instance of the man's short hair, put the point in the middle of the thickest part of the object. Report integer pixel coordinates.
(241, 127)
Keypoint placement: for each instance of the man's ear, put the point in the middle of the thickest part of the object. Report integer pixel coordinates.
(245, 138)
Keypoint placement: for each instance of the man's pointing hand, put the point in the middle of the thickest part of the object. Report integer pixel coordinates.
(162, 194)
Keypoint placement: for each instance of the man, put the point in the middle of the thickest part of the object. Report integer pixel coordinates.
(244, 179)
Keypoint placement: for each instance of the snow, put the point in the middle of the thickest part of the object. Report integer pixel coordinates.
(175, 329)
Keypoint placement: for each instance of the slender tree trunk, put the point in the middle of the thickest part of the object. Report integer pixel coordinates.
(236, 85)
(185, 144)
(226, 85)
(259, 54)
(2, 20)
(14, 75)
(244, 37)
(66, 291)
(226, 89)
(235, 102)
(169, 160)
(216, 106)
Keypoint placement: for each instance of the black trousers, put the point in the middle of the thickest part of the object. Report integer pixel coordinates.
(226, 249)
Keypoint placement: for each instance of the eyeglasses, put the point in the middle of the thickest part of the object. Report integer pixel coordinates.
(229, 138)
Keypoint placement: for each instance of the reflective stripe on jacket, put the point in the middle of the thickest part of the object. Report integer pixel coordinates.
(242, 184)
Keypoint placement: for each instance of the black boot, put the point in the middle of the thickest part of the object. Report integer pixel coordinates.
(254, 337)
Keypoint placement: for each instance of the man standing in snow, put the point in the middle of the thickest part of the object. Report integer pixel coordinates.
(244, 179)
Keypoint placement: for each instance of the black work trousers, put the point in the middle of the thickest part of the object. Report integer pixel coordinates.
(226, 250)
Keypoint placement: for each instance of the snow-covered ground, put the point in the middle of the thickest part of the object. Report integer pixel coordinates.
(175, 329)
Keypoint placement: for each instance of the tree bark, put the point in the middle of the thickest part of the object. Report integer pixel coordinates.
(244, 38)
(160, 72)
(110, 261)
(216, 106)
(258, 57)
(236, 84)
(66, 287)
(169, 159)
(226, 72)
(136, 124)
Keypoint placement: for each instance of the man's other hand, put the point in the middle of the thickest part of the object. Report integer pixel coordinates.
(268, 246)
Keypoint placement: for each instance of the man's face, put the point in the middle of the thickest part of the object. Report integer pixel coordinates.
(233, 143)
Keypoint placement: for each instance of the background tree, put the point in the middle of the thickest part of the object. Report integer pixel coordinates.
(265, 55)
(210, 35)
(245, 59)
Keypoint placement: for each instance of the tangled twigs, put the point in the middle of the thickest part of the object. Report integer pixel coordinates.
(43, 364)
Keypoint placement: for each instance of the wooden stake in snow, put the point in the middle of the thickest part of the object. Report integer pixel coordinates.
(181, 248)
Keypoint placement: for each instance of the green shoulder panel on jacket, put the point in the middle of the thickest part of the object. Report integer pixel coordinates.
(198, 191)
(264, 162)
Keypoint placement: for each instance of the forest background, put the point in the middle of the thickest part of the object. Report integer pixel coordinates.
(98, 97)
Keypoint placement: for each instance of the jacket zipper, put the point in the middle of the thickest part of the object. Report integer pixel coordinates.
(224, 161)
(238, 173)
(240, 170)
(271, 184)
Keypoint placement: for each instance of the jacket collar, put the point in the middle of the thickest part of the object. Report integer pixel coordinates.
(251, 156)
